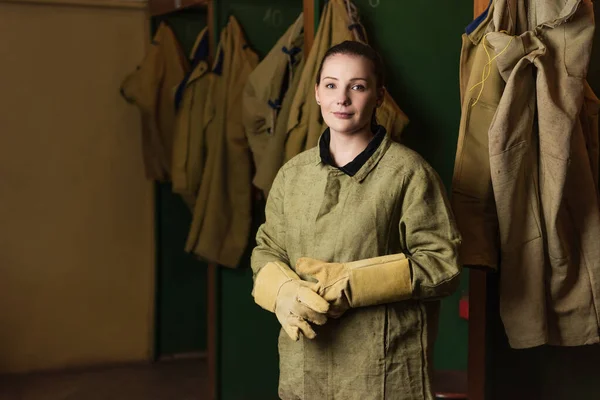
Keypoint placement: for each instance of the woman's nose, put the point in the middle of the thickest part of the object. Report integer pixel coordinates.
(343, 99)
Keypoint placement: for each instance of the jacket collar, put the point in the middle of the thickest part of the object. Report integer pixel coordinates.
(360, 167)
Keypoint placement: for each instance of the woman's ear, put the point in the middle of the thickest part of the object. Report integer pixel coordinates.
(317, 94)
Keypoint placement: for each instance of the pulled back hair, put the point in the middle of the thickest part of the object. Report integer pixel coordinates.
(353, 48)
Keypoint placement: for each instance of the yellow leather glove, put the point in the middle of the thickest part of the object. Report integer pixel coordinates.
(280, 290)
(361, 283)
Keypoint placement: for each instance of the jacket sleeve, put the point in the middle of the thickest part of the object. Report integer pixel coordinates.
(429, 235)
(270, 238)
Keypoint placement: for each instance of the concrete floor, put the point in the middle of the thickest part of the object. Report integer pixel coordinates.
(172, 380)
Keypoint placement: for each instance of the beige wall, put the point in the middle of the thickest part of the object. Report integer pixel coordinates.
(76, 213)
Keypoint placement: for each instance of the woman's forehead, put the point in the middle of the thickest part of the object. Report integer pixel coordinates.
(348, 64)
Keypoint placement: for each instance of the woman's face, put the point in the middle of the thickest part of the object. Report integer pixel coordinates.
(348, 93)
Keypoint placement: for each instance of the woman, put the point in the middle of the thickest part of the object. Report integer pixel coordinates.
(358, 243)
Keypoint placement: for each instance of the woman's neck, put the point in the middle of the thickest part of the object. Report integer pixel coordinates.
(345, 147)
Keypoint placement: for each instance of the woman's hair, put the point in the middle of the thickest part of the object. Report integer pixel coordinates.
(352, 48)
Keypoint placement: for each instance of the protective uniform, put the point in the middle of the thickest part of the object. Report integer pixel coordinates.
(544, 188)
(525, 181)
(472, 195)
(189, 147)
(393, 205)
(222, 213)
(305, 124)
(268, 97)
(151, 87)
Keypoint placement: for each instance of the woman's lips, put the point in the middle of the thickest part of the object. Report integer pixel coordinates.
(342, 115)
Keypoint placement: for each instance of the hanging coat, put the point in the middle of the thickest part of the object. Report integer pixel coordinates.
(189, 147)
(472, 195)
(152, 88)
(222, 213)
(395, 203)
(544, 188)
(275, 148)
(391, 117)
(305, 123)
(268, 97)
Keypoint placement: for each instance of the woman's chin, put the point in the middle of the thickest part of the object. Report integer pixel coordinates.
(345, 127)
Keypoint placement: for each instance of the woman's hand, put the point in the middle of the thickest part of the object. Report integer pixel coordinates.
(298, 303)
(332, 282)
(280, 290)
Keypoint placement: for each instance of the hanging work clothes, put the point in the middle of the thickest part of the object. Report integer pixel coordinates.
(472, 195)
(275, 148)
(189, 144)
(222, 211)
(268, 98)
(152, 88)
(305, 123)
(525, 181)
(544, 188)
(392, 202)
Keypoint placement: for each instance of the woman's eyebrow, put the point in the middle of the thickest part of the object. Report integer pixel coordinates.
(353, 79)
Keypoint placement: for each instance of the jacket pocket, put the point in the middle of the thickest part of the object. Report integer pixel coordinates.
(516, 194)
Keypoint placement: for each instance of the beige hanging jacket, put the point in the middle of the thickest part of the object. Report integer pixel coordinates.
(267, 102)
(472, 195)
(222, 213)
(525, 180)
(189, 142)
(544, 188)
(152, 88)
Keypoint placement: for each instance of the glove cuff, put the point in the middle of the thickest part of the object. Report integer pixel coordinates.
(268, 281)
(379, 280)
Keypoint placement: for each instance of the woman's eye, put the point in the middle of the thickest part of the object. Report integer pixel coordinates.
(330, 86)
(358, 87)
